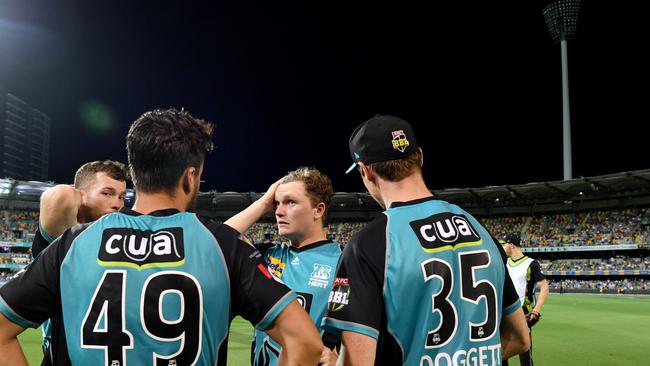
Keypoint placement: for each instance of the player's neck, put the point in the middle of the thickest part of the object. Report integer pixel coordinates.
(82, 216)
(317, 234)
(146, 203)
(408, 189)
(516, 254)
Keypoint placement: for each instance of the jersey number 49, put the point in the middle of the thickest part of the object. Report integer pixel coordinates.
(104, 327)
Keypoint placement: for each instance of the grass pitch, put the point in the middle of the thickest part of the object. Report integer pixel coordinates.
(577, 330)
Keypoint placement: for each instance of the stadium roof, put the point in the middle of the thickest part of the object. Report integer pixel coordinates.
(626, 184)
(605, 187)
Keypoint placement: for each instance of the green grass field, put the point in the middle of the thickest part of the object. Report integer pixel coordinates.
(575, 330)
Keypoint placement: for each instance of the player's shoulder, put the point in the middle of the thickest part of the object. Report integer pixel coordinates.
(371, 236)
(218, 228)
(74, 232)
(534, 263)
(424, 210)
(374, 227)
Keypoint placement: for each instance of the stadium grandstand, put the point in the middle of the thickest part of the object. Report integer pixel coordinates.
(591, 235)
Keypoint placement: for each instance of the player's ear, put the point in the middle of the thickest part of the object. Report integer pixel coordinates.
(366, 171)
(187, 179)
(421, 157)
(319, 211)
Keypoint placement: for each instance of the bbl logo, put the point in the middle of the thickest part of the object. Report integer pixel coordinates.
(399, 140)
(340, 294)
(142, 249)
(445, 231)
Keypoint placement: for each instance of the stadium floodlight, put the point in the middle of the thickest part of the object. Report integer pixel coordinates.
(562, 20)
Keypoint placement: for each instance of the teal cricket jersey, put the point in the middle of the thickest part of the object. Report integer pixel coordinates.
(157, 289)
(309, 272)
(428, 282)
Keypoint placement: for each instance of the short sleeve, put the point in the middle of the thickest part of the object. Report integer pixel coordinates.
(356, 302)
(255, 294)
(33, 295)
(41, 240)
(536, 274)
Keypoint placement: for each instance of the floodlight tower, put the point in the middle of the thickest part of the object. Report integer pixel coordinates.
(561, 20)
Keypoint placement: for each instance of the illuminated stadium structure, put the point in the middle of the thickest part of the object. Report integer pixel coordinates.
(590, 234)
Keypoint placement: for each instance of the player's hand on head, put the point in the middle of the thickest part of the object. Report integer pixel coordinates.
(268, 198)
(328, 357)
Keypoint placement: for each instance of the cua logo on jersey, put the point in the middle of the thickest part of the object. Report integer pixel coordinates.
(340, 294)
(445, 231)
(276, 266)
(400, 142)
(142, 249)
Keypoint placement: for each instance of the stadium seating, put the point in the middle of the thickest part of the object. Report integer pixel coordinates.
(598, 229)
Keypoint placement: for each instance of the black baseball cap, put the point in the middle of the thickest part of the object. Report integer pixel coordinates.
(381, 138)
(513, 238)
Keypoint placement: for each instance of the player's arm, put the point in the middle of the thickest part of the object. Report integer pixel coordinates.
(543, 295)
(364, 349)
(249, 216)
(58, 210)
(268, 304)
(10, 351)
(540, 280)
(294, 330)
(514, 334)
(515, 338)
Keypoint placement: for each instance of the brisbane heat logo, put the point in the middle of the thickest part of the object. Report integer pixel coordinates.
(142, 249)
(445, 231)
(400, 142)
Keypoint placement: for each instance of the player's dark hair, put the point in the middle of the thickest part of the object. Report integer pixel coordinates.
(317, 185)
(398, 169)
(161, 144)
(88, 172)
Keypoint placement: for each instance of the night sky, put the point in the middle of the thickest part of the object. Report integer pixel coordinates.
(286, 84)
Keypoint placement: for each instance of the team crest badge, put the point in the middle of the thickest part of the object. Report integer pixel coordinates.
(320, 277)
(400, 142)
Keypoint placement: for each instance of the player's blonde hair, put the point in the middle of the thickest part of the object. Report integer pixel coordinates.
(317, 185)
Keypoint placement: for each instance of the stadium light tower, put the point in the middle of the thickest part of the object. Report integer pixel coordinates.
(561, 20)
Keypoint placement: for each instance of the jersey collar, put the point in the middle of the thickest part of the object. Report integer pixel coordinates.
(513, 263)
(413, 202)
(309, 246)
(158, 213)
